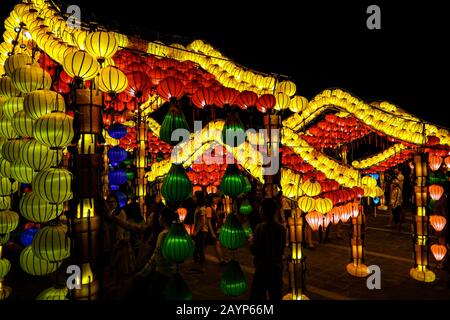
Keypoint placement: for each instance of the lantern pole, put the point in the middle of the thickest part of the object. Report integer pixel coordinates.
(421, 272)
(141, 161)
(357, 267)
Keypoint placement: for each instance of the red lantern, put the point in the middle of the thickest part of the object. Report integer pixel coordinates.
(156, 75)
(191, 87)
(438, 222)
(225, 96)
(433, 140)
(266, 102)
(204, 97)
(138, 83)
(170, 88)
(246, 99)
(65, 77)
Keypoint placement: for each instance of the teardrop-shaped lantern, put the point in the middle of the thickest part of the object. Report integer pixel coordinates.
(178, 245)
(176, 185)
(232, 183)
(314, 219)
(177, 289)
(233, 282)
(245, 207)
(232, 235)
(233, 132)
(173, 120)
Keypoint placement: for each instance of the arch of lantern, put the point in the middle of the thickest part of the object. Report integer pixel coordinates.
(77, 104)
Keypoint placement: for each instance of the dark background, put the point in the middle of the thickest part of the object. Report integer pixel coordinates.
(320, 45)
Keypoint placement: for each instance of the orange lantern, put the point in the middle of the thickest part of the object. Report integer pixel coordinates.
(434, 162)
(211, 189)
(447, 162)
(314, 219)
(182, 213)
(438, 222)
(436, 191)
(353, 209)
(345, 214)
(439, 251)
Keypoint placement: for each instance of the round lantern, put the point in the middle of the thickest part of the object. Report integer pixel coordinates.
(439, 251)
(51, 244)
(34, 265)
(53, 185)
(232, 183)
(369, 181)
(204, 97)
(307, 204)
(22, 124)
(7, 187)
(311, 188)
(245, 208)
(116, 155)
(178, 245)
(266, 102)
(54, 130)
(41, 102)
(15, 61)
(438, 222)
(117, 131)
(5, 202)
(233, 282)
(21, 172)
(81, 65)
(117, 177)
(7, 88)
(101, 44)
(283, 101)
(6, 129)
(9, 220)
(11, 106)
(314, 219)
(27, 236)
(170, 88)
(298, 104)
(35, 209)
(173, 120)
(324, 205)
(246, 99)
(176, 185)
(232, 235)
(112, 80)
(29, 78)
(11, 150)
(38, 156)
(5, 266)
(54, 294)
(177, 289)
(287, 87)
(436, 191)
(434, 162)
(233, 132)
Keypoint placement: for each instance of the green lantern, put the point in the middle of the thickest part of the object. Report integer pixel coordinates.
(177, 289)
(173, 120)
(232, 183)
(233, 132)
(247, 185)
(232, 235)
(35, 266)
(53, 294)
(178, 245)
(9, 220)
(176, 186)
(245, 207)
(5, 266)
(233, 282)
(438, 178)
(4, 239)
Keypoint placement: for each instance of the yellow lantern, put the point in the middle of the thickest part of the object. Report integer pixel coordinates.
(80, 65)
(38, 156)
(22, 124)
(40, 102)
(5, 168)
(6, 129)
(283, 101)
(9, 220)
(15, 61)
(51, 244)
(5, 202)
(37, 210)
(121, 39)
(21, 172)
(298, 104)
(101, 44)
(54, 130)
(31, 77)
(287, 87)
(311, 188)
(112, 80)
(11, 106)
(34, 265)
(11, 150)
(53, 185)
(7, 88)
(369, 181)
(324, 205)
(5, 266)
(157, 48)
(54, 294)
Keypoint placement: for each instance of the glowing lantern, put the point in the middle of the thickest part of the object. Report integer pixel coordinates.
(35, 209)
(345, 214)
(324, 205)
(9, 220)
(11, 150)
(232, 183)
(117, 177)
(27, 236)
(314, 219)
(15, 61)
(7, 88)
(138, 83)
(54, 294)
(307, 204)
(212, 189)
(5, 266)
(117, 131)
(182, 212)
(283, 101)
(173, 120)
(311, 188)
(51, 244)
(225, 96)
(439, 251)
(436, 191)
(438, 222)
(266, 102)
(101, 45)
(53, 185)
(203, 97)
(5, 202)
(233, 282)
(41, 102)
(11, 106)
(447, 162)
(353, 209)
(287, 87)
(232, 235)
(112, 80)
(54, 130)
(116, 155)
(6, 129)
(176, 185)
(233, 132)
(298, 104)
(80, 65)
(29, 78)
(434, 162)
(22, 124)
(178, 245)
(245, 208)
(21, 173)
(38, 156)
(246, 99)
(369, 181)
(170, 88)
(34, 265)
(7, 187)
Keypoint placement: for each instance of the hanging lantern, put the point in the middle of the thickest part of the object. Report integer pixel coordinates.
(177, 289)
(170, 88)
(438, 222)
(436, 191)
(34, 265)
(246, 99)
(101, 44)
(307, 204)
(51, 244)
(225, 96)
(9, 220)
(447, 163)
(112, 80)
(139, 83)
(369, 181)
(176, 185)
(22, 124)
(5, 202)
(7, 88)
(247, 184)
(30, 77)
(41, 102)
(266, 102)
(38, 156)
(287, 87)
(178, 245)
(7, 187)
(117, 177)
(27, 236)
(116, 155)
(233, 132)
(323, 205)
(21, 172)
(283, 101)
(314, 219)
(211, 189)
(5, 266)
(15, 61)
(204, 97)
(311, 187)
(232, 183)
(11, 150)
(81, 65)
(434, 162)
(54, 294)
(53, 185)
(182, 212)
(232, 235)
(439, 251)
(117, 131)
(245, 208)
(233, 282)
(6, 129)
(54, 130)
(35, 209)
(173, 120)
(11, 106)
(122, 197)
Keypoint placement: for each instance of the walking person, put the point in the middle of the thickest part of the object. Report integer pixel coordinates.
(212, 220)
(396, 204)
(267, 246)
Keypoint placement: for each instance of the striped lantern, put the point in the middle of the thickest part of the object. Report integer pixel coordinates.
(176, 185)
(11, 150)
(54, 130)
(38, 156)
(232, 235)
(51, 243)
(41, 102)
(5, 202)
(324, 205)
(35, 266)
(21, 172)
(6, 129)
(81, 65)
(111, 80)
(4, 238)
(101, 44)
(311, 188)
(7, 187)
(54, 294)
(31, 77)
(233, 282)
(7, 88)
(22, 124)
(37, 210)
(16, 61)
(11, 106)
(53, 185)
(178, 244)
(5, 266)
(9, 220)
(314, 219)
(232, 183)
(306, 204)
(5, 168)
(287, 87)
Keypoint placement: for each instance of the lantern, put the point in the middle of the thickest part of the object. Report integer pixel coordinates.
(116, 155)
(21, 172)
(298, 104)
(101, 44)
(204, 97)
(5, 202)
(283, 101)
(54, 130)
(246, 99)
(138, 83)
(232, 183)
(7, 88)
(225, 96)
(323, 205)
(311, 187)
(266, 102)
(51, 244)
(11, 106)
(29, 78)
(6, 129)
(245, 208)
(438, 222)
(7, 187)
(35, 209)
(38, 156)
(122, 197)
(177, 289)
(369, 181)
(15, 61)
(9, 220)
(306, 204)
(54, 294)
(233, 132)
(286, 87)
(232, 235)
(436, 191)
(117, 131)
(5, 266)
(11, 150)
(182, 212)
(35, 266)
(117, 177)
(439, 251)
(233, 282)
(176, 185)
(53, 185)
(112, 80)
(170, 88)
(434, 162)
(27, 236)
(22, 124)
(314, 219)
(178, 245)
(211, 189)
(447, 163)
(80, 65)
(41, 102)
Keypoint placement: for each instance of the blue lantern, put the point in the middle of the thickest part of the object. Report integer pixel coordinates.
(122, 197)
(116, 155)
(117, 131)
(117, 177)
(27, 236)
(113, 187)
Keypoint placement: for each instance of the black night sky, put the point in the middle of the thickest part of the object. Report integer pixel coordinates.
(319, 45)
